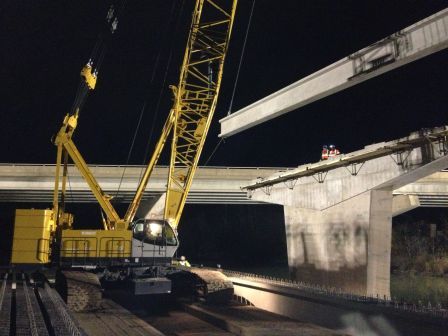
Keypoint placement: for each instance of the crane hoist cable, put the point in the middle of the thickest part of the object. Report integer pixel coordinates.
(241, 59)
(142, 111)
(162, 88)
(214, 151)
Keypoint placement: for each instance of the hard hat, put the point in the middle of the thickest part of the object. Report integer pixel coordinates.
(331, 146)
(182, 258)
(325, 146)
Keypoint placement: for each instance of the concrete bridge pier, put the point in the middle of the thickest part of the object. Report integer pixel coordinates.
(338, 212)
(342, 248)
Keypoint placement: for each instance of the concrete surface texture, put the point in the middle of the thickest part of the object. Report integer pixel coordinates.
(421, 39)
(338, 231)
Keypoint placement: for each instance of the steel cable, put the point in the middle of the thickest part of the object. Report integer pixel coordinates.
(162, 88)
(156, 64)
(213, 152)
(241, 59)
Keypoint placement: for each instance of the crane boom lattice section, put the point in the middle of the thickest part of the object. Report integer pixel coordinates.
(195, 99)
(196, 96)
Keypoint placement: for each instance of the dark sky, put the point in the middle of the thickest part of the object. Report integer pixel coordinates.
(44, 44)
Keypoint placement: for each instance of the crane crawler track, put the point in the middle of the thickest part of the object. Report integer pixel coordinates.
(80, 290)
(5, 307)
(218, 288)
(211, 285)
(30, 307)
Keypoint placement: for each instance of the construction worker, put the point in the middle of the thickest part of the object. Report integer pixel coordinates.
(184, 262)
(325, 152)
(333, 151)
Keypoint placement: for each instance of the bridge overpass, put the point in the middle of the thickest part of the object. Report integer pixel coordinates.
(212, 185)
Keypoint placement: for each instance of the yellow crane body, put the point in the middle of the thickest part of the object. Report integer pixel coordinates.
(95, 244)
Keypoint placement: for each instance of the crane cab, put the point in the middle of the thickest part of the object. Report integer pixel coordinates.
(153, 241)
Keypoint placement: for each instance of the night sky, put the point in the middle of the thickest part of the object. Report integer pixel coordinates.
(44, 45)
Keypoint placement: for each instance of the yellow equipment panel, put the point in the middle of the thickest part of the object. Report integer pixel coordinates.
(96, 244)
(32, 236)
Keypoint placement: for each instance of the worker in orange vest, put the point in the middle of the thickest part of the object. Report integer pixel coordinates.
(325, 153)
(333, 151)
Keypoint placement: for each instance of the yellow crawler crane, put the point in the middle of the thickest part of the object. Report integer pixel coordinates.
(140, 251)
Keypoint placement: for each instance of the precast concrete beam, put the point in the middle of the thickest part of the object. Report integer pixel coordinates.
(433, 185)
(404, 203)
(414, 42)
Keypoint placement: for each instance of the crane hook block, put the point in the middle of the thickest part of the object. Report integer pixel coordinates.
(89, 77)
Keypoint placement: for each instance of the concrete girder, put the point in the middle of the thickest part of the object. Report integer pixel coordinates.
(404, 203)
(414, 42)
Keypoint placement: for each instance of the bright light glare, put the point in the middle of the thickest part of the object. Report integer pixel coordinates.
(155, 229)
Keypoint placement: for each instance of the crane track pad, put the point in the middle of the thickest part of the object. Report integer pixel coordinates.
(80, 290)
(209, 284)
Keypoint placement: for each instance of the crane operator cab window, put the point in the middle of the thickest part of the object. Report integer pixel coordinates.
(156, 232)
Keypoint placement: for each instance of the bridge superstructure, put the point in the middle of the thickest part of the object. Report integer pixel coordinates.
(338, 213)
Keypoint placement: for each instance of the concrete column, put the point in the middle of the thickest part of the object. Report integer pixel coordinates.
(345, 246)
(379, 242)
